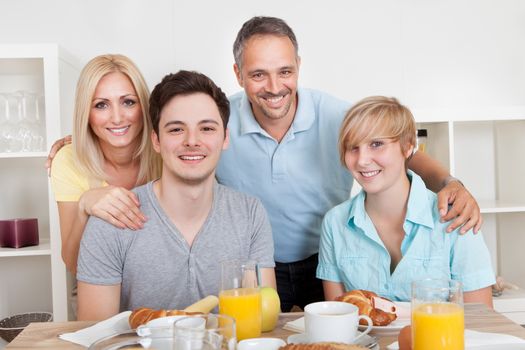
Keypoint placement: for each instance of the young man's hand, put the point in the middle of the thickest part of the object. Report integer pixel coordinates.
(464, 210)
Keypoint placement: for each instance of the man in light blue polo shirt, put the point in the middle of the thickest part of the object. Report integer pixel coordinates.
(283, 150)
(352, 253)
(287, 175)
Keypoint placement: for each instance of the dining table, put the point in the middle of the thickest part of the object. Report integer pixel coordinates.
(478, 317)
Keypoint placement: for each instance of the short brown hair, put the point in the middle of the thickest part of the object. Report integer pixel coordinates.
(377, 115)
(186, 83)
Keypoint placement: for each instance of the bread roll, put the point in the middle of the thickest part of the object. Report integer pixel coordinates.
(365, 301)
(143, 315)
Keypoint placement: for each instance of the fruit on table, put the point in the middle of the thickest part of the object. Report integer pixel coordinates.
(404, 338)
(271, 307)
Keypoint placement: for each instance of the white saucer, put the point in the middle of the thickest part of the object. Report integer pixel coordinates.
(302, 338)
(260, 344)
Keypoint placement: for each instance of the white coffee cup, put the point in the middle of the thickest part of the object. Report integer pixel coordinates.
(333, 321)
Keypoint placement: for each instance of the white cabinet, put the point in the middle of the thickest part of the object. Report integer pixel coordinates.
(488, 155)
(34, 278)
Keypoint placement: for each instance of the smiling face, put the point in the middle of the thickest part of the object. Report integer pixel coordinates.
(115, 113)
(269, 74)
(190, 139)
(378, 164)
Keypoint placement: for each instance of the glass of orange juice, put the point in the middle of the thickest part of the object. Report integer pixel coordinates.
(240, 298)
(437, 315)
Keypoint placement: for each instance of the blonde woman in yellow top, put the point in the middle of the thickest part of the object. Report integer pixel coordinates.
(110, 153)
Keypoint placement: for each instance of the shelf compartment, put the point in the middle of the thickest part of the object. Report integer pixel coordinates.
(475, 158)
(22, 74)
(511, 242)
(24, 187)
(487, 161)
(510, 168)
(26, 285)
(438, 141)
(44, 248)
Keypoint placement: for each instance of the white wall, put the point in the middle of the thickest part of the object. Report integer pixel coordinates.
(431, 54)
(142, 30)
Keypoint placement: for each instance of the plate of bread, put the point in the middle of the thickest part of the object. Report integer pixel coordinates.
(323, 346)
(300, 342)
(387, 316)
(147, 328)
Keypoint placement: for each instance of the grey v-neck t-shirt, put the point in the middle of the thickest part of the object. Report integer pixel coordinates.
(155, 265)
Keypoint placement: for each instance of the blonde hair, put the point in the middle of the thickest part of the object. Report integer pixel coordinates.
(88, 154)
(377, 116)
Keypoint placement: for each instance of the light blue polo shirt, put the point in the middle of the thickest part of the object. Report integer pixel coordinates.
(299, 179)
(351, 251)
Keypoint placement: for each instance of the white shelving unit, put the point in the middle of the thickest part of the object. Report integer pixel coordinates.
(485, 151)
(34, 278)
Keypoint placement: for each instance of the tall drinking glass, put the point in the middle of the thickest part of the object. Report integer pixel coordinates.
(4, 120)
(223, 326)
(240, 298)
(11, 129)
(437, 315)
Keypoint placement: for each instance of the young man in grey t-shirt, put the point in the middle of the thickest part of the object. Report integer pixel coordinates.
(193, 222)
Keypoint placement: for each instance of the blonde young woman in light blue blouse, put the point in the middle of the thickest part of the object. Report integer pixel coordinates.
(390, 234)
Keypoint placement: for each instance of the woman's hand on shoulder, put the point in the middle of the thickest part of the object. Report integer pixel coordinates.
(116, 205)
(54, 149)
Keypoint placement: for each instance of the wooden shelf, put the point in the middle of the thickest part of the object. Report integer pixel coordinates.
(501, 206)
(469, 114)
(23, 155)
(43, 248)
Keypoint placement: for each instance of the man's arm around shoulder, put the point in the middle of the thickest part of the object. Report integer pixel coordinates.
(97, 302)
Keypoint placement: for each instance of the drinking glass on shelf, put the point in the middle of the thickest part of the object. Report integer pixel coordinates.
(4, 113)
(31, 128)
(219, 330)
(11, 133)
(437, 315)
(240, 297)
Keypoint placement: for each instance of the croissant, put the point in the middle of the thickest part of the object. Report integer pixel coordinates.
(365, 300)
(143, 315)
(322, 346)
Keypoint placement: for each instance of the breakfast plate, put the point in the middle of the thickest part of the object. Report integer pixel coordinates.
(302, 338)
(395, 326)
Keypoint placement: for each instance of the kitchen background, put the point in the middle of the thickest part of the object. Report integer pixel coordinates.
(459, 65)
